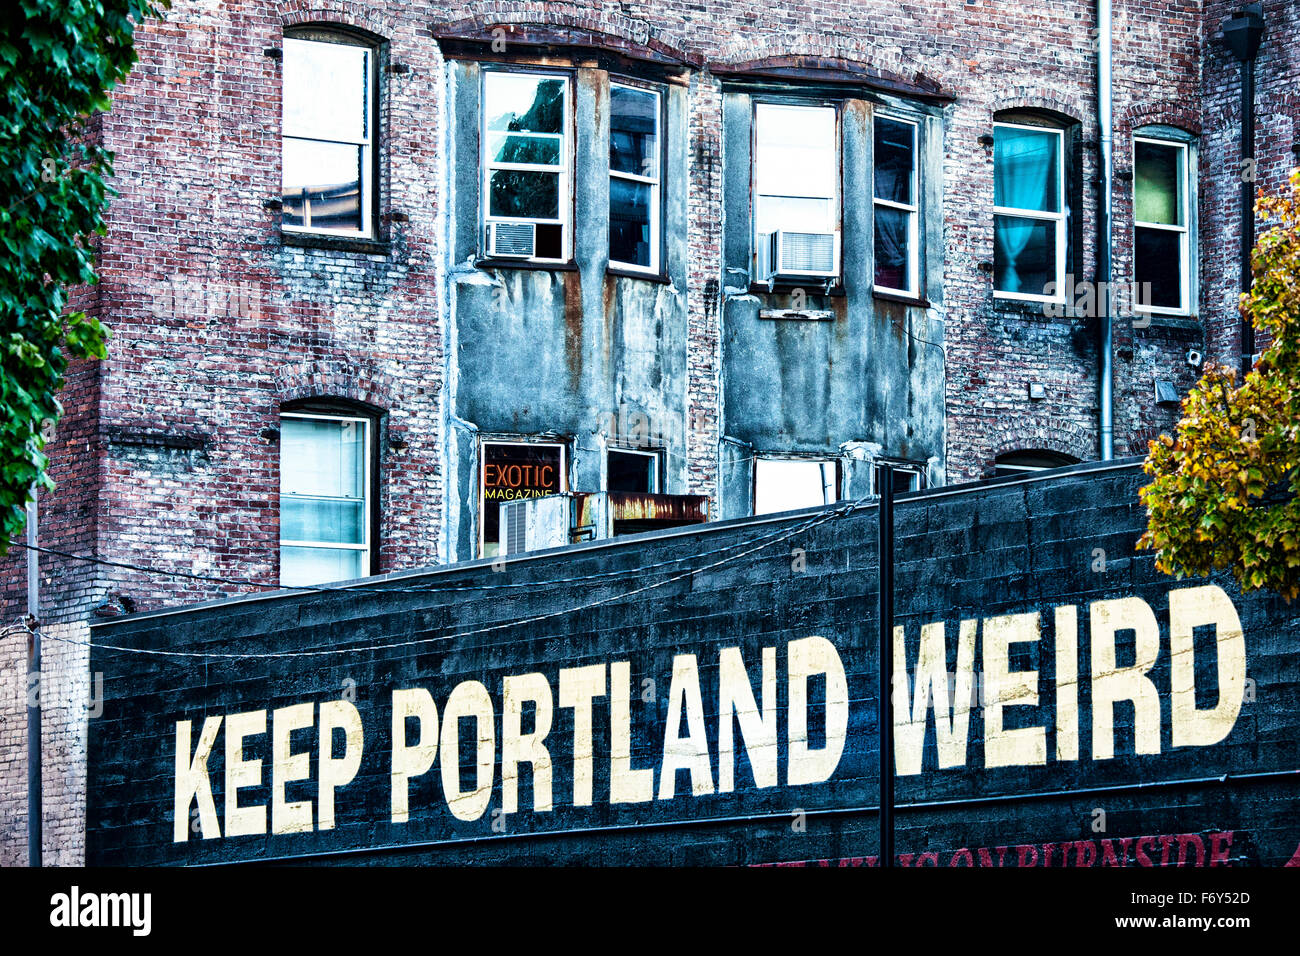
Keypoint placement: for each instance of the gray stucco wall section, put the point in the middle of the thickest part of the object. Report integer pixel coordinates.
(863, 374)
(541, 352)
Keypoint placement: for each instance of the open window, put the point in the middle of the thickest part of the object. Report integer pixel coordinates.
(634, 470)
(1161, 226)
(634, 177)
(328, 129)
(896, 202)
(527, 158)
(786, 484)
(796, 193)
(326, 496)
(513, 471)
(907, 476)
(1029, 213)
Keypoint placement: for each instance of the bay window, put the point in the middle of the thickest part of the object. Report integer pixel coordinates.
(895, 203)
(1029, 218)
(1160, 225)
(325, 498)
(526, 162)
(328, 129)
(634, 205)
(796, 191)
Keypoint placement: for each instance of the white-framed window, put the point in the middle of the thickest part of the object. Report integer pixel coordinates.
(896, 200)
(1029, 213)
(796, 191)
(527, 158)
(1161, 216)
(907, 476)
(633, 469)
(786, 484)
(328, 134)
(513, 471)
(325, 498)
(635, 122)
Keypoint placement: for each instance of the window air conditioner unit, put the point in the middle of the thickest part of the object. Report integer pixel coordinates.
(798, 255)
(535, 524)
(512, 240)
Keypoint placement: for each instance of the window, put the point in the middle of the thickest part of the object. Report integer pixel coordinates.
(1028, 212)
(327, 174)
(896, 205)
(907, 476)
(634, 207)
(1020, 462)
(1160, 226)
(784, 484)
(526, 162)
(628, 470)
(512, 471)
(796, 191)
(324, 499)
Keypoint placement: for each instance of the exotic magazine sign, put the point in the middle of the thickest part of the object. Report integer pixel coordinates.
(1079, 717)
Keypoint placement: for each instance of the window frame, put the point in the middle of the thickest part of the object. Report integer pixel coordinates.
(656, 455)
(369, 488)
(480, 498)
(370, 158)
(759, 100)
(565, 170)
(657, 205)
(915, 468)
(1185, 230)
(914, 211)
(1061, 218)
(838, 461)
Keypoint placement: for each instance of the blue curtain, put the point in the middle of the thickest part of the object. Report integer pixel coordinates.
(1024, 167)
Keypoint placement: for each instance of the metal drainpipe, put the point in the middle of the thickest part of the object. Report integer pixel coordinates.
(1104, 122)
(1242, 32)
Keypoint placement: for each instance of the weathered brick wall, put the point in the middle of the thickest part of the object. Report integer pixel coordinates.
(217, 322)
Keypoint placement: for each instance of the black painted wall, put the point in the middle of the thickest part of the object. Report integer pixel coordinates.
(1001, 547)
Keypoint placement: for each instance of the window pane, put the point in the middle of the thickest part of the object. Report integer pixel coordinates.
(1026, 169)
(781, 485)
(307, 566)
(325, 87)
(629, 221)
(1157, 259)
(321, 184)
(322, 457)
(332, 520)
(538, 150)
(633, 131)
(629, 472)
(795, 151)
(894, 160)
(893, 253)
(512, 472)
(1024, 255)
(518, 101)
(1158, 183)
(795, 215)
(524, 194)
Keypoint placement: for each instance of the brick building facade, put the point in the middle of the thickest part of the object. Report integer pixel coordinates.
(225, 318)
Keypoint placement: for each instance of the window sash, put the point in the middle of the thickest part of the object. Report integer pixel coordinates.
(830, 195)
(364, 142)
(1058, 218)
(656, 201)
(828, 477)
(561, 170)
(480, 496)
(912, 209)
(1184, 231)
(365, 499)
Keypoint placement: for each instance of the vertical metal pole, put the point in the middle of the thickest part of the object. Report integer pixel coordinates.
(1105, 227)
(885, 490)
(34, 811)
(1247, 208)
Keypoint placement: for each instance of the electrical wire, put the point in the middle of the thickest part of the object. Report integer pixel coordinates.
(829, 514)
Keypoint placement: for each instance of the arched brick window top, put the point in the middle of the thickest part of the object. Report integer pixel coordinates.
(622, 40)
